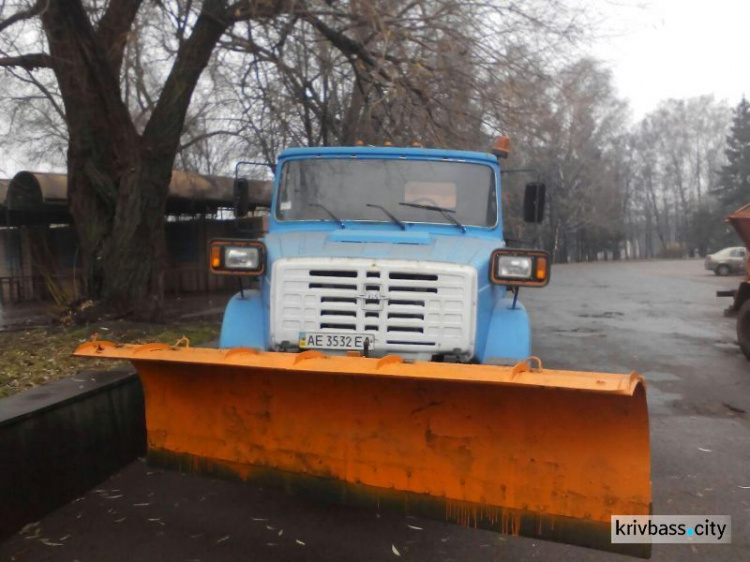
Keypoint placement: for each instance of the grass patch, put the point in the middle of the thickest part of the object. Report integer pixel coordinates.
(35, 356)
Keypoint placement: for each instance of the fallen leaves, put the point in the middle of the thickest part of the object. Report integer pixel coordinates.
(34, 356)
(29, 527)
(33, 531)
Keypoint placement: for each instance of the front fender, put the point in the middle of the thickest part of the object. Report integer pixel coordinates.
(509, 333)
(245, 323)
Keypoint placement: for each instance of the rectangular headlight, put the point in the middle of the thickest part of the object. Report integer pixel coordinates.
(241, 258)
(514, 267)
(529, 268)
(237, 257)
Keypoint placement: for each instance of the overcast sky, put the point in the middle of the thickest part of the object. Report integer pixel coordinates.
(660, 49)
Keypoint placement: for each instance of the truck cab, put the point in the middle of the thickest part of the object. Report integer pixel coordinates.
(384, 250)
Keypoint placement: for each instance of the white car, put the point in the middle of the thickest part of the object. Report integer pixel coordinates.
(728, 260)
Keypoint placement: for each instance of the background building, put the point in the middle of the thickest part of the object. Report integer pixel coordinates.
(38, 246)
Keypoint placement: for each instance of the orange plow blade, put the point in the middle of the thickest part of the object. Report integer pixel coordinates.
(519, 450)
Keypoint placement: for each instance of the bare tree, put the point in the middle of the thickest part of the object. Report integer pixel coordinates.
(127, 81)
(437, 72)
(573, 138)
(678, 150)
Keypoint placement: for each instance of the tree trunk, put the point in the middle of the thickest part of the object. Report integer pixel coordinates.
(118, 180)
(103, 143)
(121, 233)
(134, 253)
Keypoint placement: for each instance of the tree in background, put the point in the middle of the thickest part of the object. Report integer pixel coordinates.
(734, 182)
(122, 84)
(570, 140)
(468, 74)
(123, 91)
(677, 153)
(615, 189)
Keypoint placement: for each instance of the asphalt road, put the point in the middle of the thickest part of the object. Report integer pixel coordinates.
(659, 318)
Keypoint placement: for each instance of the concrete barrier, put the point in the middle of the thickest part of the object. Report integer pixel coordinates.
(59, 440)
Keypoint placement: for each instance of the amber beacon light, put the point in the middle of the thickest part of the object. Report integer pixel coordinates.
(501, 148)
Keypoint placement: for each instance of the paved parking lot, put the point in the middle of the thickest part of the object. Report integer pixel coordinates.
(660, 318)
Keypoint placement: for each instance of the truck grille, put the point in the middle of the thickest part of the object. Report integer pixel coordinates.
(425, 307)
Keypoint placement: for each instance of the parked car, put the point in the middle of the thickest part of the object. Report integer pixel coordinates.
(726, 261)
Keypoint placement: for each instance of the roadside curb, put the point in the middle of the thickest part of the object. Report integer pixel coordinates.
(59, 440)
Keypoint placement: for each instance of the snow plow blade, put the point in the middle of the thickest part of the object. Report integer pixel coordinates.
(519, 450)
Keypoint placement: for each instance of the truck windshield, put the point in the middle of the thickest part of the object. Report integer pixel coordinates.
(347, 186)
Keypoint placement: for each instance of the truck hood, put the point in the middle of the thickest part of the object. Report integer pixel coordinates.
(458, 248)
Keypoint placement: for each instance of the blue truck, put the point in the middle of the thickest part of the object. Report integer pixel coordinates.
(342, 375)
(385, 250)
(345, 373)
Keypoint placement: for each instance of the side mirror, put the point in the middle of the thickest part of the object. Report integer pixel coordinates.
(241, 197)
(533, 202)
(258, 174)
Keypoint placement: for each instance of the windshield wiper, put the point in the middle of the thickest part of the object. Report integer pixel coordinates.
(330, 214)
(441, 210)
(390, 215)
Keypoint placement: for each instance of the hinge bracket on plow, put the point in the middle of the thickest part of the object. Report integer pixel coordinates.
(525, 367)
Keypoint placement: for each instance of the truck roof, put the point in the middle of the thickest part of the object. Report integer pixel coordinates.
(389, 152)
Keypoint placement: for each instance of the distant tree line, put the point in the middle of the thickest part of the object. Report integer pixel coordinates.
(658, 188)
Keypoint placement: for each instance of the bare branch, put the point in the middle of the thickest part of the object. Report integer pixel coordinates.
(164, 127)
(114, 27)
(205, 136)
(46, 93)
(27, 62)
(35, 10)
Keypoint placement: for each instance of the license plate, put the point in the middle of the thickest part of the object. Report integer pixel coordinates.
(328, 340)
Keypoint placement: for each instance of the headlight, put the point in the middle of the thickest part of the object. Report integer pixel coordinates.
(515, 267)
(237, 257)
(241, 258)
(520, 267)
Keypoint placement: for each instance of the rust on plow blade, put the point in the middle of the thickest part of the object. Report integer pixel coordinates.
(519, 450)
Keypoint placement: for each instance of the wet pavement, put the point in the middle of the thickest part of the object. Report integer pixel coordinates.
(659, 318)
(663, 320)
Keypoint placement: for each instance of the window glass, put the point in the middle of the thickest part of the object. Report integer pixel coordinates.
(346, 186)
